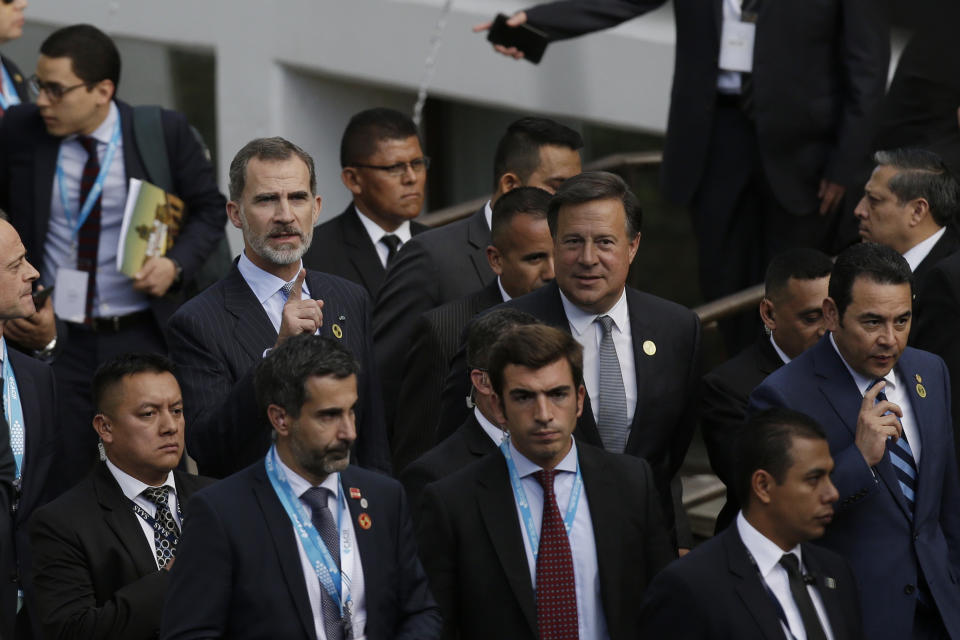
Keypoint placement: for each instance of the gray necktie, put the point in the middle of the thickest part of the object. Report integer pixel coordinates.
(316, 499)
(612, 415)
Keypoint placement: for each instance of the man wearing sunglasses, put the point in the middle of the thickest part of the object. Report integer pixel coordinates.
(386, 172)
(65, 166)
(13, 88)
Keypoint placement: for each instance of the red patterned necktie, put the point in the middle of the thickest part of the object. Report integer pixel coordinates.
(88, 238)
(556, 593)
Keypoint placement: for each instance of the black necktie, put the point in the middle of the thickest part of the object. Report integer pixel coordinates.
(808, 614)
(393, 245)
(88, 238)
(316, 499)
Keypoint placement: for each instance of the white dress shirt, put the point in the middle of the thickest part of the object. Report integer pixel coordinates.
(351, 571)
(493, 431)
(588, 333)
(488, 214)
(267, 288)
(583, 545)
(114, 294)
(376, 233)
(503, 292)
(896, 394)
(767, 555)
(730, 81)
(915, 254)
(783, 356)
(133, 488)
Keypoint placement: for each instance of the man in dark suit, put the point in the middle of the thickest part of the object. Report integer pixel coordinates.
(886, 410)
(103, 550)
(762, 139)
(78, 131)
(652, 343)
(581, 573)
(521, 255)
(30, 447)
(14, 88)
(385, 170)
(792, 315)
(760, 578)
(281, 550)
(909, 205)
(480, 433)
(218, 337)
(449, 263)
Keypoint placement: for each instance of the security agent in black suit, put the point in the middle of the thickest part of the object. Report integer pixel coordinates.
(792, 314)
(480, 434)
(521, 255)
(595, 221)
(758, 150)
(909, 204)
(26, 485)
(735, 585)
(449, 263)
(218, 338)
(77, 75)
(101, 567)
(244, 572)
(385, 170)
(11, 28)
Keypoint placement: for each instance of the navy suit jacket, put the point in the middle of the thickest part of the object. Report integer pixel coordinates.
(341, 246)
(19, 83)
(217, 339)
(94, 572)
(872, 528)
(715, 593)
(238, 572)
(28, 161)
(41, 481)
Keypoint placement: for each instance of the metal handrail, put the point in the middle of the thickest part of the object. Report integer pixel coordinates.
(729, 305)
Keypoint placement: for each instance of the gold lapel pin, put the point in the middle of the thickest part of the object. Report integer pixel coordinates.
(649, 347)
(921, 391)
(917, 376)
(337, 331)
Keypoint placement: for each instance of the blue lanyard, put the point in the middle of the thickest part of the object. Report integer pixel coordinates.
(97, 188)
(324, 566)
(520, 495)
(156, 526)
(13, 408)
(8, 97)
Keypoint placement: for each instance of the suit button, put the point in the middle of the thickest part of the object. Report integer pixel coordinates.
(909, 589)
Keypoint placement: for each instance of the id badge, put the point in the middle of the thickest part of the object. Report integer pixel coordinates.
(70, 294)
(736, 46)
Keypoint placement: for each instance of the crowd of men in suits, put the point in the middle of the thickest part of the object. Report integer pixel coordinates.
(535, 408)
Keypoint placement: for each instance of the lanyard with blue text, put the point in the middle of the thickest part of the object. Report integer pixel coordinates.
(97, 188)
(156, 526)
(324, 566)
(521, 497)
(12, 408)
(8, 97)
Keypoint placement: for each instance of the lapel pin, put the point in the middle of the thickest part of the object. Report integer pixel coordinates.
(337, 331)
(829, 583)
(921, 391)
(649, 347)
(364, 521)
(17, 77)
(354, 493)
(363, 503)
(917, 376)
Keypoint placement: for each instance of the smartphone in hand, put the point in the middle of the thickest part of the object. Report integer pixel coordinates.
(530, 40)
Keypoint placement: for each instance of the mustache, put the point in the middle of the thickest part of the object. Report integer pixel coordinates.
(286, 230)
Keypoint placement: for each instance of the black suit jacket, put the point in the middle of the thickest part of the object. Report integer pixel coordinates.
(238, 573)
(94, 572)
(217, 339)
(472, 546)
(41, 481)
(432, 346)
(342, 246)
(724, 394)
(715, 593)
(666, 414)
(439, 266)
(19, 82)
(465, 445)
(819, 74)
(28, 161)
(946, 246)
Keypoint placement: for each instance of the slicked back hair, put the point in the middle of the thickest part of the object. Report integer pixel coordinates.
(530, 201)
(93, 54)
(876, 262)
(799, 264)
(275, 149)
(596, 185)
(922, 174)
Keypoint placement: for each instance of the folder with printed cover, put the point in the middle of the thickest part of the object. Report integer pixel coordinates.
(151, 222)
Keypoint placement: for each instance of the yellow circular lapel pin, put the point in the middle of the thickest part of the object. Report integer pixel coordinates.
(649, 347)
(337, 331)
(921, 391)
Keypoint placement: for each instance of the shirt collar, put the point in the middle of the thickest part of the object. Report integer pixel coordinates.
(863, 382)
(2, 349)
(915, 254)
(488, 214)
(779, 351)
(300, 485)
(130, 486)
(263, 284)
(526, 467)
(376, 232)
(104, 132)
(496, 433)
(581, 320)
(765, 551)
(503, 292)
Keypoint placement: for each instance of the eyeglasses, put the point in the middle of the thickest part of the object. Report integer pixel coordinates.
(54, 90)
(419, 165)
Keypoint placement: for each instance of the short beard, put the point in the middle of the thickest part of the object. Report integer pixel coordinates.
(261, 247)
(320, 464)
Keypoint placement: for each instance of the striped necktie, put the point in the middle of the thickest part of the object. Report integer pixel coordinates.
(901, 455)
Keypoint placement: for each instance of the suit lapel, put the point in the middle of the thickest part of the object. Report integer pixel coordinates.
(363, 253)
(499, 514)
(600, 489)
(749, 587)
(367, 540)
(254, 331)
(925, 422)
(768, 360)
(645, 366)
(477, 440)
(119, 516)
(285, 545)
(828, 593)
(478, 235)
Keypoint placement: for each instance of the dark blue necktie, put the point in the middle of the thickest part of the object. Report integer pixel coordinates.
(901, 455)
